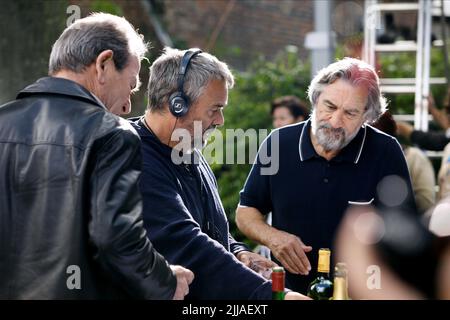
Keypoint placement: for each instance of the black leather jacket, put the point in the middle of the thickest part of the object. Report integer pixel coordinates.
(70, 209)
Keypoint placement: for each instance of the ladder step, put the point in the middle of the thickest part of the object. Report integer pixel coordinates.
(396, 6)
(397, 47)
(409, 81)
(408, 117)
(438, 43)
(398, 89)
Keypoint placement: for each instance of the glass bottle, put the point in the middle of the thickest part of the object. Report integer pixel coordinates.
(340, 284)
(278, 276)
(321, 288)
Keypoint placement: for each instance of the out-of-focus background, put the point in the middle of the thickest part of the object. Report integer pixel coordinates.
(273, 47)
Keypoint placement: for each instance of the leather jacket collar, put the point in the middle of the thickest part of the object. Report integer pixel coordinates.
(60, 86)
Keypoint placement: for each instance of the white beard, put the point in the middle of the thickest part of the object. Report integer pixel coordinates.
(329, 138)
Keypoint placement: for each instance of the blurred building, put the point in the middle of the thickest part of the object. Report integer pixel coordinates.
(237, 31)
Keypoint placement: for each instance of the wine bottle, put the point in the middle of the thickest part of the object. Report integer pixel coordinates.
(321, 288)
(340, 283)
(278, 275)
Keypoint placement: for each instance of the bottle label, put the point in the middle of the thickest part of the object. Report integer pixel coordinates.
(277, 281)
(340, 289)
(324, 261)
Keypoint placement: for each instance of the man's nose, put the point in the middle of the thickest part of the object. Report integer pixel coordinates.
(220, 120)
(337, 119)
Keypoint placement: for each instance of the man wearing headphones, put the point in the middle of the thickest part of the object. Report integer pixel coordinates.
(183, 214)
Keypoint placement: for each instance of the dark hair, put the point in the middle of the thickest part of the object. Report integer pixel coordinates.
(386, 123)
(296, 106)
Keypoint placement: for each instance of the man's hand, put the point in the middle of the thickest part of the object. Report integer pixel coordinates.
(440, 116)
(287, 248)
(184, 279)
(290, 251)
(404, 129)
(256, 262)
(292, 295)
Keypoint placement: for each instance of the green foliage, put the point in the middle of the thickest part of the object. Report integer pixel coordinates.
(402, 65)
(249, 108)
(106, 6)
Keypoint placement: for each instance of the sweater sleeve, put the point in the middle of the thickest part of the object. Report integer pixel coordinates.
(235, 246)
(178, 236)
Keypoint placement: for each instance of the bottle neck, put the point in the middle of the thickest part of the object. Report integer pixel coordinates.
(323, 265)
(323, 274)
(278, 295)
(340, 291)
(278, 285)
(323, 268)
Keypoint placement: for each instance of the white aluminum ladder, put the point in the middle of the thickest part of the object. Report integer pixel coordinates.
(420, 85)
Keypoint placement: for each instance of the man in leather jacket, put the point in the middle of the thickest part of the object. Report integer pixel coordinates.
(70, 209)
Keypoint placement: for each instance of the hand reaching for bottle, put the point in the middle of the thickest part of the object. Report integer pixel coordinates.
(290, 251)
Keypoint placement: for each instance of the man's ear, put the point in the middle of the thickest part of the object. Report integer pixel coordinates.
(103, 65)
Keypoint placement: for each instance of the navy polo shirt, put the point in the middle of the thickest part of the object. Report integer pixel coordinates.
(309, 195)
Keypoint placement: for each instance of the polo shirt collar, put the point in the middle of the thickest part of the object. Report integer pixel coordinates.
(351, 153)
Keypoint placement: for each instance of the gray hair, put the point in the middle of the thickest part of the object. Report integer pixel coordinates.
(81, 43)
(163, 80)
(357, 73)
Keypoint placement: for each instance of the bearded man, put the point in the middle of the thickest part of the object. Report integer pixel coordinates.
(326, 163)
(182, 209)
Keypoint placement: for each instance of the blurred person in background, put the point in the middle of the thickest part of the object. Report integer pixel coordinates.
(288, 110)
(393, 256)
(419, 166)
(444, 174)
(430, 140)
(326, 163)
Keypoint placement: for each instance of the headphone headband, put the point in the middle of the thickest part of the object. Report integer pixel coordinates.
(188, 56)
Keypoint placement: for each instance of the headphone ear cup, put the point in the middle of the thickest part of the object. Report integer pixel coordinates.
(178, 104)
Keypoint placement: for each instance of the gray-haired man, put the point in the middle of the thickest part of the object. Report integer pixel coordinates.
(183, 213)
(331, 161)
(70, 208)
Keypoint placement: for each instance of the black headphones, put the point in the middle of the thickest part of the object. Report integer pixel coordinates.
(179, 101)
